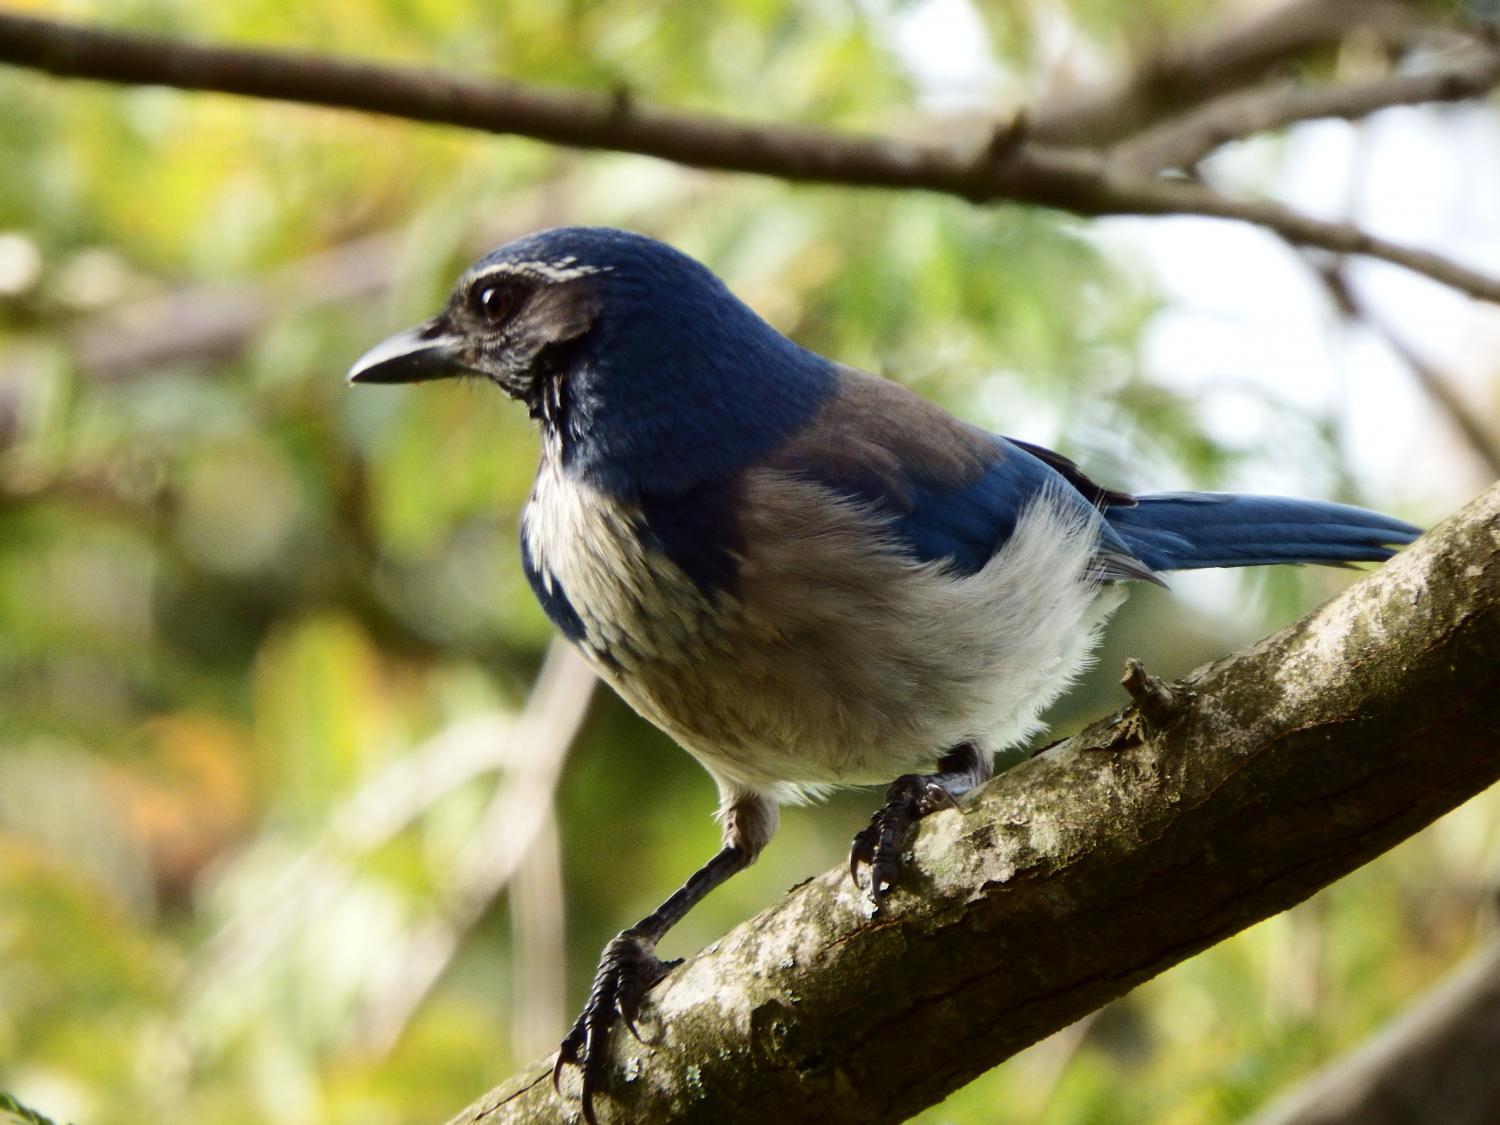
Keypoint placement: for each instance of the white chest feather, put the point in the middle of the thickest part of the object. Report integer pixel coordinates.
(636, 607)
(834, 660)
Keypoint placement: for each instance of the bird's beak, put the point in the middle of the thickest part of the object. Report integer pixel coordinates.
(428, 351)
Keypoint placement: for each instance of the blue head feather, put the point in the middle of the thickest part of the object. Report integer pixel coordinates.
(678, 383)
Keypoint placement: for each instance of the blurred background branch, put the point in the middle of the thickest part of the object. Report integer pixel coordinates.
(1009, 167)
(1173, 78)
(1185, 141)
(1479, 436)
(515, 833)
(1434, 1062)
(220, 321)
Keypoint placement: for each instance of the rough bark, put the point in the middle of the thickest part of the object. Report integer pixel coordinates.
(1089, 869)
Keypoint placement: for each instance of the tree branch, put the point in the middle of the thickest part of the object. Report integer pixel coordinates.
(1216, 64)
(1434, 1062)
(518, 813)
(1474, 431)
(1006, 167)
(1089, 869)
(1185, 141)
(1181, 197)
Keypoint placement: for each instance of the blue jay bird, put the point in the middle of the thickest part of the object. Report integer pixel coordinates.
(806, 575)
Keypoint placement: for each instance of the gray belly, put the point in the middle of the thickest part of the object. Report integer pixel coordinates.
(836, 661)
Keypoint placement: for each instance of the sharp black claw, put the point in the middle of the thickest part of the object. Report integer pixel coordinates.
(627, 969)
(862, 851)
(941, 795)
(878, 844)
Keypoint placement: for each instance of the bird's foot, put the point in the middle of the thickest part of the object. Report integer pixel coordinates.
(878, 845)
(627, 968)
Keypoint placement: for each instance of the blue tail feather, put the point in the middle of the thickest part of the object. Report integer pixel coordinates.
(1188, 530)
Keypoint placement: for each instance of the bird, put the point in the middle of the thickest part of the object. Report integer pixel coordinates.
(807, 575)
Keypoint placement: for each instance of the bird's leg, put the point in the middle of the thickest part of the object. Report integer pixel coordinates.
(629, 965)
(911, 797)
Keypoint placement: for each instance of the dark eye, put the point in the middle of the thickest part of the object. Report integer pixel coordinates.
(494, 302)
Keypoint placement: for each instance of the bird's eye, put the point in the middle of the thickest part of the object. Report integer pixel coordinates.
(494, 302)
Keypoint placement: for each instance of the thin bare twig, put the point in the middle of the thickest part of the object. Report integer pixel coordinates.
(1167, 197)
(517, 816)
(376, 812)
(1480, 438)
(1050, 1059)
(1185, 141)
(539, 944)
(528, 749)
(1020, 171)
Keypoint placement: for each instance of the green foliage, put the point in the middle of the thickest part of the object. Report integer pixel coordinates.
(235, 595)
(21, 1114)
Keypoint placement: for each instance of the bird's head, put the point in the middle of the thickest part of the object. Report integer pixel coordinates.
(641, 362)
(508, 317)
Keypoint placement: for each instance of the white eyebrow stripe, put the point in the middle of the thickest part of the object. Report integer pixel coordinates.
(564, 269)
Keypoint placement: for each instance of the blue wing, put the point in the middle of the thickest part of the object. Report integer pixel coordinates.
(965, 525)
(955, 491)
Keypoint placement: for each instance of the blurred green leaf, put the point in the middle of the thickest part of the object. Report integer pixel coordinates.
(21, 1113)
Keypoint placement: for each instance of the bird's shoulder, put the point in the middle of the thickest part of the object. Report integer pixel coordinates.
(953, 491)
(883, 440)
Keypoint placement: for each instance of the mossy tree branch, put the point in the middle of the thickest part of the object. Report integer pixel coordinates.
(1088, 869)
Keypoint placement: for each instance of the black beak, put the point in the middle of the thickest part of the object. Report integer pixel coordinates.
(428, 351)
